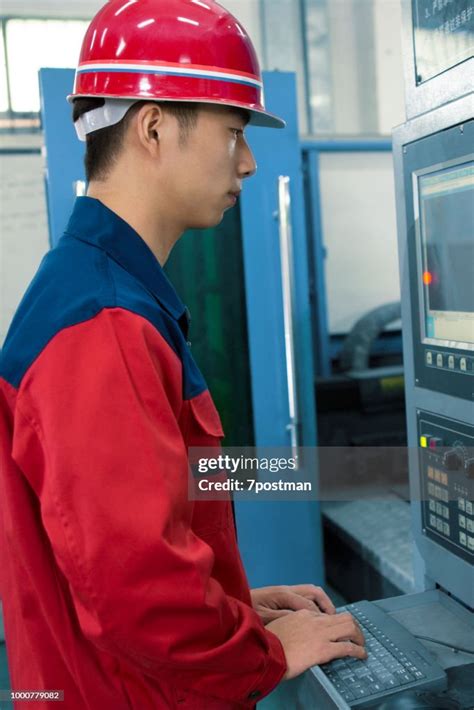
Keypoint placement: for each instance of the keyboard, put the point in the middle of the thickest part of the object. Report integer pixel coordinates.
(396, 660)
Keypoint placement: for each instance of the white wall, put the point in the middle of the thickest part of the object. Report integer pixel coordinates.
(283, 46)
(360, 235)
(24, 230)
(388, 64)
(344, 67)
(366, 66)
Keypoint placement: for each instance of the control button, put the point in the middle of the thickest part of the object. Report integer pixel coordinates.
(470, 543)
(446, 529)
(461, 504)
(438, 492)
(433, 521)
(430, 472)
(435, 441)
(451, 362)
(439, 525)
(432, 506)
(462, 521)
(444, 495)
(463, 364)
(445, 511)
(444, 479)
(437, 475)
(429, 357)
(469, 507)
(424, 442)
(469, 468)
(470, 525)
(463, 539)
(431, 489)
(439, 509)
(453, 460)
(439, 360)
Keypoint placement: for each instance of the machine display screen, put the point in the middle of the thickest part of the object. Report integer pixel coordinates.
(443, 35)
(446, 255)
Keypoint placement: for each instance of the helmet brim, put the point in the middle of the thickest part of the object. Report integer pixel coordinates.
(259, 118)
(266, 120)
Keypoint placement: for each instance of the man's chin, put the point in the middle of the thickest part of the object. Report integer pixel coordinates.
(208, 223)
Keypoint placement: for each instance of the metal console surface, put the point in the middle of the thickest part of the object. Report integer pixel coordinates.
(442, 408)
(432, 614)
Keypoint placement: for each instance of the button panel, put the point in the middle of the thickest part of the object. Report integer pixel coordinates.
(449, 362)
(447, 488)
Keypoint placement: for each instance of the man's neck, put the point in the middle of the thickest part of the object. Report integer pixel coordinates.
(159, 233)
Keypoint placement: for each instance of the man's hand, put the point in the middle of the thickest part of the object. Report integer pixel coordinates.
(309, 639)
(271, 603)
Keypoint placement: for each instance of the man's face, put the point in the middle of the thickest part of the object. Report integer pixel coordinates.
(203, 171)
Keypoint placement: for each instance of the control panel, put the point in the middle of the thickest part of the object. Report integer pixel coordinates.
(447, 483)
(448, 361)
(438, 174)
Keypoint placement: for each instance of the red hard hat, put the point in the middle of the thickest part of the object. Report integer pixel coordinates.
(175, 50)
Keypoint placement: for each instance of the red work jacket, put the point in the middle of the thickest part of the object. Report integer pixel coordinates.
(117, 588)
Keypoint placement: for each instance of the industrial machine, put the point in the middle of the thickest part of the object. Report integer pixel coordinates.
(421, 645)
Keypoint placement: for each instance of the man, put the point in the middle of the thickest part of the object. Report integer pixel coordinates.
(119, 590)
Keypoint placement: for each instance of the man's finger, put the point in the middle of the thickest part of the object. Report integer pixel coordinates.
(316, 594)
(289, 600)
(347, 631)
(272, 614)
(347, 648)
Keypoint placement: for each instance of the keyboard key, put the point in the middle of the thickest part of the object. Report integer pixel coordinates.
(360, 692)
(347, 695)
(403, 677)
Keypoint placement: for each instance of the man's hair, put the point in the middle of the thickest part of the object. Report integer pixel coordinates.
(103, 146)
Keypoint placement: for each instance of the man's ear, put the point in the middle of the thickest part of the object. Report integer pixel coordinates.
(148, 122)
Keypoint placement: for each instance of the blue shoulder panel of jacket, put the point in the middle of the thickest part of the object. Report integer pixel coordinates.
(75, 281)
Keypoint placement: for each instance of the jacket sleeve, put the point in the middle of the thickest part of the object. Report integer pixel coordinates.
(111, 471)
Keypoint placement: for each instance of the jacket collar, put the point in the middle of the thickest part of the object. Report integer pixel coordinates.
(94, 223)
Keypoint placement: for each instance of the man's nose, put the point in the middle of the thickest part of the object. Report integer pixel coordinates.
(247, 165)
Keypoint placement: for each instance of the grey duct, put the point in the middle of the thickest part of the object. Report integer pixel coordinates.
(356, 347)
